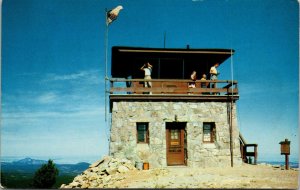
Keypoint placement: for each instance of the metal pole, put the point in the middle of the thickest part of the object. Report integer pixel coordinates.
(106, 77)
(106, 55)
(165, 39)
(230, 130)
(231, 115)
(1, 79)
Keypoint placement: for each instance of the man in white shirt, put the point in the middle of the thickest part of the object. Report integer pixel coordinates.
(213, 74)
(147, 68)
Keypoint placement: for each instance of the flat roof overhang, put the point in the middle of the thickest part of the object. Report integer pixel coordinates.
(126, 61)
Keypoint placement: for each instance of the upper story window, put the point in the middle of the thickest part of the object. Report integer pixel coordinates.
(142, 129)
(209, 132)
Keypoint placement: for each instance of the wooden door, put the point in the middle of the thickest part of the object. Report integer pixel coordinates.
(175, 135)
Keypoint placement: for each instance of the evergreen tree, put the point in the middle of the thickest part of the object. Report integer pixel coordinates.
(3, 181)
(45, 177)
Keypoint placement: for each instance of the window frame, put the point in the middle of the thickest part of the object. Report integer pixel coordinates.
(146, 141)
(212, 132)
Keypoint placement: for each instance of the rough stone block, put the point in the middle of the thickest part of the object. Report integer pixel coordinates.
(123, 169)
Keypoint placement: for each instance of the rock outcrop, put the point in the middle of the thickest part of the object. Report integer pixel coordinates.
(103, 173)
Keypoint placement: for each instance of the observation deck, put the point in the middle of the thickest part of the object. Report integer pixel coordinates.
(172, 89)
(170, 75)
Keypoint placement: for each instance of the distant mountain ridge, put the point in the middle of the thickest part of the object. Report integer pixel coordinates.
(29, 165)
(29, 161)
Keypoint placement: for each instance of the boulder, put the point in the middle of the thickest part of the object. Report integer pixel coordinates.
(106, 179)
(74, 184)
(94, 184)
(123, 169)
(62, 186)
(97, 163)
(112, 171)
(85, 185)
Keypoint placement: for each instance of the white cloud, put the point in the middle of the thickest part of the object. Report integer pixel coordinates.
(47, 98)
(66, 108)
(85, 76)
(76, 114)
(73, 76)
(58, 92)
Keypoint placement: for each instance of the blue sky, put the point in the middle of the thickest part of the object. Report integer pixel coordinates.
(53, 67)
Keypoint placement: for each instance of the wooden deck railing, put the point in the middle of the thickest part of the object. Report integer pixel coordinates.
(172, 86)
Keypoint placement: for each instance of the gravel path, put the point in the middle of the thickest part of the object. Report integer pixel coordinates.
(246, 176)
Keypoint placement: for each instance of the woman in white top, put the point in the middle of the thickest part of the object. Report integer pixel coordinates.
(194, 78)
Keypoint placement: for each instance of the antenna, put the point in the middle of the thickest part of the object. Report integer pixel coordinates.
(165, 36)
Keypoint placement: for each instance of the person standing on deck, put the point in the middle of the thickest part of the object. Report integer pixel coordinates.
(213, 74)
(193, 78)
(147, 68)
(203, 84)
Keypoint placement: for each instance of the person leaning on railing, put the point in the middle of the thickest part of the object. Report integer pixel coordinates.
(194, 78)
(204, 84)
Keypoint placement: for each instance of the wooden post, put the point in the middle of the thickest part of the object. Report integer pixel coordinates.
(255, 154)
(286, 161)
(285, 150)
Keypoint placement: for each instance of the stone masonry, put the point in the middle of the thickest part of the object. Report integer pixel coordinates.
(125, 115)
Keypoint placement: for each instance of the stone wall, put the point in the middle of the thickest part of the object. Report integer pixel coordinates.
(126, 114)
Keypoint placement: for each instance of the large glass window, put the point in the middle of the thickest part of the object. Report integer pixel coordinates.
(142, 132)
(171, 68)
(209, 131)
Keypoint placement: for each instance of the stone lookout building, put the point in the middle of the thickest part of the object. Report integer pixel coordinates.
(170, 123)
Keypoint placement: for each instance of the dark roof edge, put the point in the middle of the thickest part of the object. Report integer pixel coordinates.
(176, 50)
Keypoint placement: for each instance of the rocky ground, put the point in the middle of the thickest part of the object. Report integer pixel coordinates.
(115, 173)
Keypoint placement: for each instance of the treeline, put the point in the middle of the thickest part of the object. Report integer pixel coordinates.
(45, 177)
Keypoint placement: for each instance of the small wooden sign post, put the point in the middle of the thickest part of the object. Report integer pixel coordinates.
(285, 150)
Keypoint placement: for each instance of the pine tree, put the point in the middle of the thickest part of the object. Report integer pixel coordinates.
(3, 181)
(45, 177)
